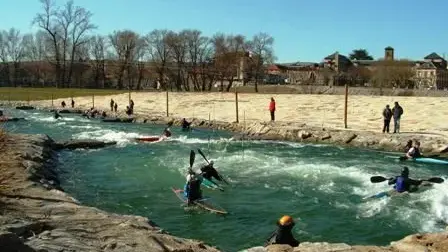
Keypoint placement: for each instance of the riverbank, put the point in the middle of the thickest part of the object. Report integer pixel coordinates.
(38, 216)
(301, 118)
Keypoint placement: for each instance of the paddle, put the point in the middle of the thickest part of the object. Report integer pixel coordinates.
(202, 154)
(192, 157)
(378, 179)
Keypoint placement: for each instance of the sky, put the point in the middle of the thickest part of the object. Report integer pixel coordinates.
(305, 31)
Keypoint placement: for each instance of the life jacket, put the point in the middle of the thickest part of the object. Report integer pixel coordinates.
(416, 153)
(401, 184)
(192, 189)
(284, 236)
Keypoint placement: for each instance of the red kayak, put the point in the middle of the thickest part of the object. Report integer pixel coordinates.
(149, 138)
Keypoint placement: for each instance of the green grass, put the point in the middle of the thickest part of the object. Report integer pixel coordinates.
(25, 94)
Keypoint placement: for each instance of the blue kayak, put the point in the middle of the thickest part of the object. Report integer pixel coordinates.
(430, 161)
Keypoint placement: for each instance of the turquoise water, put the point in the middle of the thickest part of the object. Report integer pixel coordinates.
(321, 186)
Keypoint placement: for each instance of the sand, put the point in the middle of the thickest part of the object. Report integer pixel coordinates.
(421, 114)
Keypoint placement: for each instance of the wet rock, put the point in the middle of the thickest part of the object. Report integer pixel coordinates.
(11, 242)
(350, 138)
(118, 120)
(326, 137)
(303, 134)
(323, 247)
(25, 107)
(68, 111)
(82, 144)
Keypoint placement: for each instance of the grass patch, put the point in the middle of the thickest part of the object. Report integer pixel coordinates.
(25, 94)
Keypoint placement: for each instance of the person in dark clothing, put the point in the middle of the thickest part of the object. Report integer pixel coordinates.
(63, 104)
(403, 183)
(209, 172)
(73, 103)
(131, 104)
(186, 126)
(408, 146)
(414, 152)
(115, 107)
(283, 234)
(397, 112)
(192, 189)
(128, 111)
(103, 114)
(112, 103)
(387, 115)
(166, 132)
(56, 115)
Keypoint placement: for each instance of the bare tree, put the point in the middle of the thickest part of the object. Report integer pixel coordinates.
(98, 49)
(76, 23)
(262, 53)
(159, 51)
(229, 57)
(47, 20)
(140, 59)
(35, 47)
(124, 43)
(177, 43)
(392, 73)
(12, 51)
(198, 47)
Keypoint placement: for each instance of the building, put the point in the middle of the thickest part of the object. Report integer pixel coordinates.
(431, 73)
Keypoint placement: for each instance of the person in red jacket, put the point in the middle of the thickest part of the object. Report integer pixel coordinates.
(272, 109)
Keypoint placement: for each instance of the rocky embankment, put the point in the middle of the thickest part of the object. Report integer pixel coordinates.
(36, 215)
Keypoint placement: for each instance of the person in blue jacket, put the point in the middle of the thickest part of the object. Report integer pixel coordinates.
(403, 183)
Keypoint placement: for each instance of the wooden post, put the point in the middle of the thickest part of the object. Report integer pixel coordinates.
(28, 98)
(93, 101)
(52, 100)
(345, 107)
(129, 94)
(236, 105)
(167, 104)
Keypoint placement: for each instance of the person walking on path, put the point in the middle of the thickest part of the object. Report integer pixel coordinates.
(397, 112)
(116, 107)
(73, 103)
(387, 115)
(272, 109)
(112, 105)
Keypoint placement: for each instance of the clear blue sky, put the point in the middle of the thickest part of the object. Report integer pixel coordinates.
(303, 30)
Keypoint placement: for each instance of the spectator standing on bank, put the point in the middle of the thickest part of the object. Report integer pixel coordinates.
(387, 116)
(272, 109)
(397, 112)
(112, 105)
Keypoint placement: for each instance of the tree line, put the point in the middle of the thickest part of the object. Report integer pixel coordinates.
(66, 53)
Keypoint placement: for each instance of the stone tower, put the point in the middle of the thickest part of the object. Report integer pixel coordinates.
(388, 53)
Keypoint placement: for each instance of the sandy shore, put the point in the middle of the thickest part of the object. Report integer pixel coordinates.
(421, 114)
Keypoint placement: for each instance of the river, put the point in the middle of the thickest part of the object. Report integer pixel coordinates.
(320, 186)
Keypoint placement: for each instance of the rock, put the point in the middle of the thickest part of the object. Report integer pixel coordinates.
(279, 248)
(443, 149)
(323, 247)
(304, 134)
(68, 111)
(118, 120)
(82, 144)
(326, 137)
(25, 107)
(350, 138)
(10, 242)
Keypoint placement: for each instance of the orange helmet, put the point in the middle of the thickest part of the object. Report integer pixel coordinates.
(286, 220)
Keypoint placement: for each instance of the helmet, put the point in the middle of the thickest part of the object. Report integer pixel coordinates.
(405, 171)
(211, 162)
(286, 220)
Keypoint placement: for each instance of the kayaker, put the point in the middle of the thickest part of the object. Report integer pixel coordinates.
(166, 132)
(408, 146)
(403, 183)
(283, 234)
(56, 114)
(185, 125)
(414, 152)
(192, 189)
(209, 172)
(2, 117)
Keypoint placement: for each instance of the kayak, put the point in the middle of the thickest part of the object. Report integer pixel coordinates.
(204, 203)
(391, 193)
(209, 184)
(11, 119)
(149, 138)
(430, 161)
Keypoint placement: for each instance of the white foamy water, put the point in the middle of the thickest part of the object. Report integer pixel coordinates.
(107, 135)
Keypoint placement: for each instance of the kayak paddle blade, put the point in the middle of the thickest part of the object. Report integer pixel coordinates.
(192, 157)
(377, 179)
(436, 180)
(203, 155)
